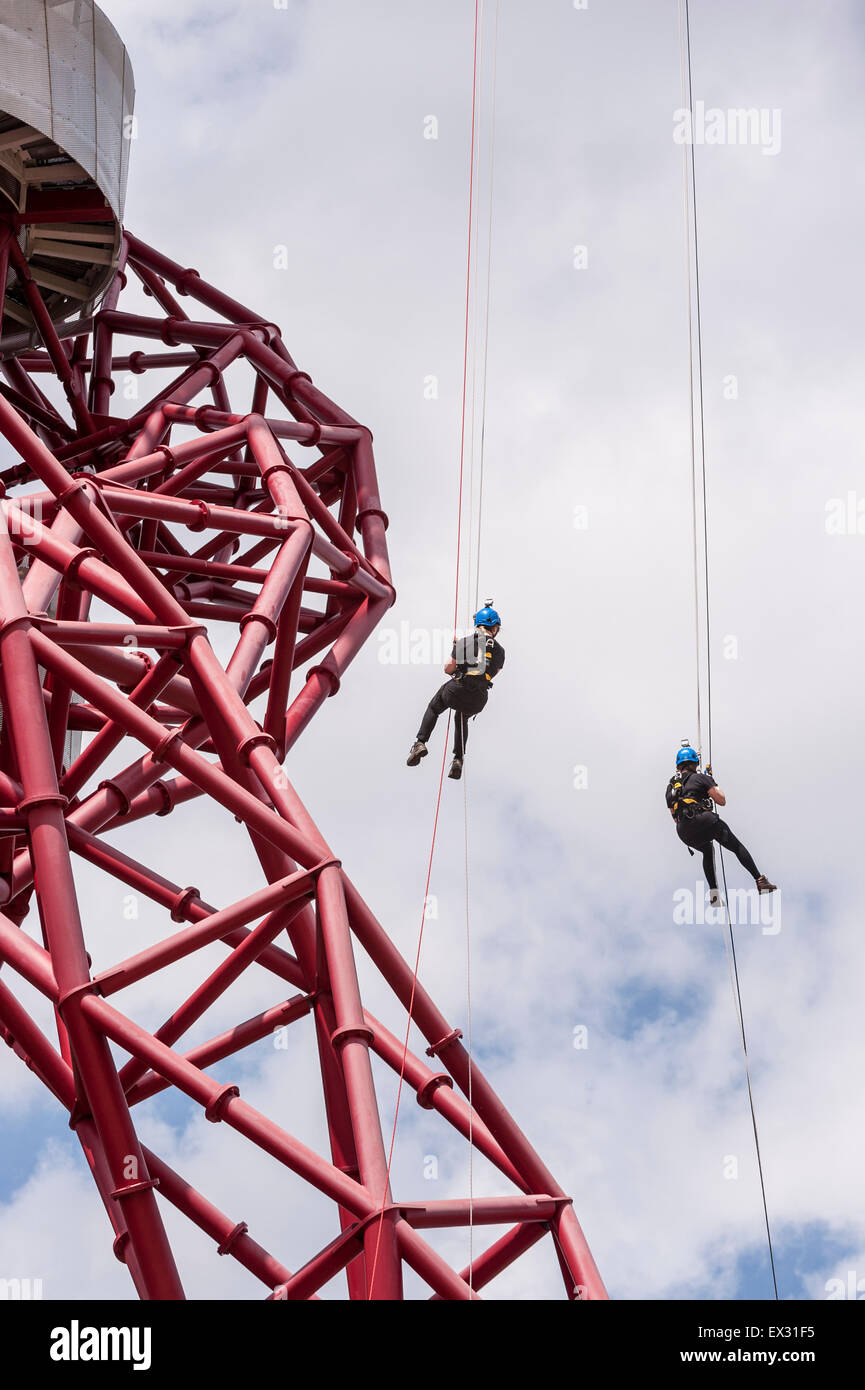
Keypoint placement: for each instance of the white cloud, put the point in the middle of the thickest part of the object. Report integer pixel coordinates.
(571, 890)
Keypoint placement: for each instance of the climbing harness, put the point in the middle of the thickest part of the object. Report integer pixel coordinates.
(686, 807)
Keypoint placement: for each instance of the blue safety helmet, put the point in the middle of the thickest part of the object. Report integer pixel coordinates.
(687, 755)
(487, 617)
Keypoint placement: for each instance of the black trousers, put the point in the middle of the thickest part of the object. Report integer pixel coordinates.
(465, 704)
(703, 832)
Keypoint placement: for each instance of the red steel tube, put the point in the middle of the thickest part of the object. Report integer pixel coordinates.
(111, 534)
(242, 1035)
(62, 926)
(501, 1255)
(454, 1057)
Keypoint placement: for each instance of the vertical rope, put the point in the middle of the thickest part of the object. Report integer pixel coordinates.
(697, 309)
(474, 277)
(467, 317)
(471, 607)
(456, 616)
(696, 388)
(486, 335)
(740, 1014)
(410, 1011)
(687, 103)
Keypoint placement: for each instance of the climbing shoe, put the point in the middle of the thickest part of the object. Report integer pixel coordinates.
(418, 750)
(764, 886)
(715, 899)
(456, 771)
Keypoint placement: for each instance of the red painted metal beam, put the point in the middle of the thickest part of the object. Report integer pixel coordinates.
(265, 517)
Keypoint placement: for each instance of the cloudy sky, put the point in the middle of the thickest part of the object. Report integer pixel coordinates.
(302, 130)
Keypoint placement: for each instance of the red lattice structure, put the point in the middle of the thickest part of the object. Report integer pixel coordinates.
(172, 535)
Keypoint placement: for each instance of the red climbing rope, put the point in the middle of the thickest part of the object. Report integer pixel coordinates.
(456, 615)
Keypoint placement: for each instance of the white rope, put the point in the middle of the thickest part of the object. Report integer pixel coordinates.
(486, 337)
(474, 351)
(480, 348)
(696, 388)
(686, 146)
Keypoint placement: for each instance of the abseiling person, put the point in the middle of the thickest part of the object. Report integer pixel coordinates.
(475, 662)
(691, 798)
